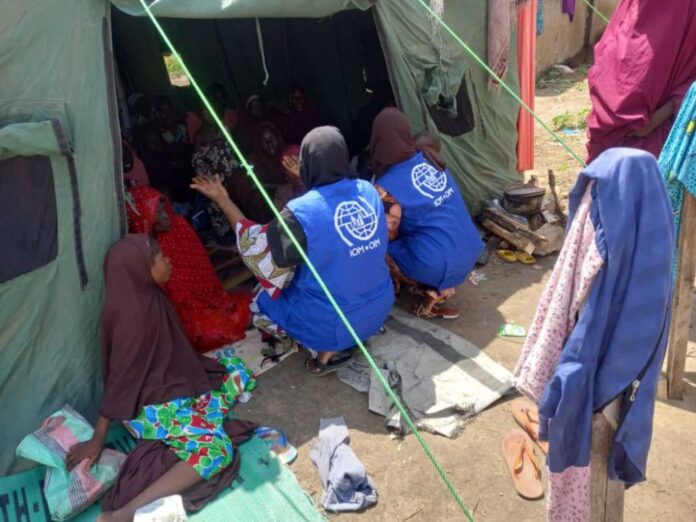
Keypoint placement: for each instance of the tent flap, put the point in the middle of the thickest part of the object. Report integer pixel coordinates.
(54, 80)
(427, 65)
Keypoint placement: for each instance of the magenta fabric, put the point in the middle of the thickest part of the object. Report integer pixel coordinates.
(646, 57)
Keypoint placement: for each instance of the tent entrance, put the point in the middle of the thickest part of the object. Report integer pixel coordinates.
(338, 60)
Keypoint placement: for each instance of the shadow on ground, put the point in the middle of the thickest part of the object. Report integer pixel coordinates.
(289, 398)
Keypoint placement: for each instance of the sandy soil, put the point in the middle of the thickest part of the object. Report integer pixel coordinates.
(408, 487)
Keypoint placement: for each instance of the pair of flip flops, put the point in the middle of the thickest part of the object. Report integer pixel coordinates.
(512, 256)
(520, 454)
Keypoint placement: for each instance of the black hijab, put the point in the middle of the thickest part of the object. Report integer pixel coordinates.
(323, 157)
(323, 160)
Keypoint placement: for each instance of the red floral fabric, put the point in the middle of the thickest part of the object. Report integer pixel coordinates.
(210, 316)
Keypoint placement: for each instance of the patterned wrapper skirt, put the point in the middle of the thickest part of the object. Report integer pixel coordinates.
(193, 427)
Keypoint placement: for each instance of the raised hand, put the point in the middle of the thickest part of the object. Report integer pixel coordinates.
(211, 188)
(291, 164)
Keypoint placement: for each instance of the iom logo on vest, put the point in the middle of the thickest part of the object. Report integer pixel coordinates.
(432, 183)
(356, 222)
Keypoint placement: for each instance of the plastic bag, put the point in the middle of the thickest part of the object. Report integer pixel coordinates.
(167, 509)
(69, 493)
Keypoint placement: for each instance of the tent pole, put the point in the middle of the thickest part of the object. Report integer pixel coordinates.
(683, 300)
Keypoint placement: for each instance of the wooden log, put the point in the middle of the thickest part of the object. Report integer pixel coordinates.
(512, 225)
(513, 238)
(556, 199)
(606, 496)
(683, 300)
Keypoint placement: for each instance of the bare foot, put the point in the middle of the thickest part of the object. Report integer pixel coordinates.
(325, 357)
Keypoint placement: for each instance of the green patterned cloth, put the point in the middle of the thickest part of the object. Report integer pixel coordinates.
(193, 427)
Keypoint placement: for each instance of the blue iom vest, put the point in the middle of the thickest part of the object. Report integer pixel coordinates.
(347, 243)
(438, 244)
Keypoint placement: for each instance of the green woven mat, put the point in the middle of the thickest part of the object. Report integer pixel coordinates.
(264, 491)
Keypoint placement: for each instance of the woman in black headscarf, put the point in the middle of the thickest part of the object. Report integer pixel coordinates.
(339, 223)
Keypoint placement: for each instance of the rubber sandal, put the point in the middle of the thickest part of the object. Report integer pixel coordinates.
(278, 443)
(436, 312)
(523, 465)
(337, 362)
(525, 258)
(509, 256)
(526, 415)
(277, 348)
(417, 291)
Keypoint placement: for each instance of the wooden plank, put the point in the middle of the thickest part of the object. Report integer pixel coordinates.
(683, 301)
(514, 239)
(606, 496)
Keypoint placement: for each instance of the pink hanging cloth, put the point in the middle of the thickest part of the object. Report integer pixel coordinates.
(645, 60)
(526, 66)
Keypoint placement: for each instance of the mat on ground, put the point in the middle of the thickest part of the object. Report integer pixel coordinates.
(249, 350)
(265, 491)
(441, 377)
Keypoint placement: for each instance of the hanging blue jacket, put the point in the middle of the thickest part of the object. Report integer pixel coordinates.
(347, 243)
(618, 344)
(438, 244)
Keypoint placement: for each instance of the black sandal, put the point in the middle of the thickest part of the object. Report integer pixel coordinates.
(337, 362)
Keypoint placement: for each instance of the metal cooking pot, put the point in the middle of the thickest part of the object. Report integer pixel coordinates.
(523, 199)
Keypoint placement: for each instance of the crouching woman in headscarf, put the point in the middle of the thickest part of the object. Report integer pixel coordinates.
(434, 243)
(340, 225)
(172, 400)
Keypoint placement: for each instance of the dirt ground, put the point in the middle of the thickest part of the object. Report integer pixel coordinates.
(408, 486)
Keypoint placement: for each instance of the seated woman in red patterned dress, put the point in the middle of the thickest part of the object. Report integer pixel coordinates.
(211, 317)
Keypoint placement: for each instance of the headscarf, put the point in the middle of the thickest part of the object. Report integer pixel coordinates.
(268, 168)
(323, 160)
(323, 157)
(392, 140)
(134, 98)
(146, 358)
(429, 144)
(142, 208)
(210, 316)
(251, 99)
(137, 175)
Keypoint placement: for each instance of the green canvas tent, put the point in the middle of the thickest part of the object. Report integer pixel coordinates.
(60, 159)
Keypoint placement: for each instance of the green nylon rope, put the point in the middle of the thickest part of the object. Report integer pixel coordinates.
(250, 172)
(505, 86)
(597, 11)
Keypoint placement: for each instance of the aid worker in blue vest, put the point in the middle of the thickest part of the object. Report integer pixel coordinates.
(340, 224)
(433, 241)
